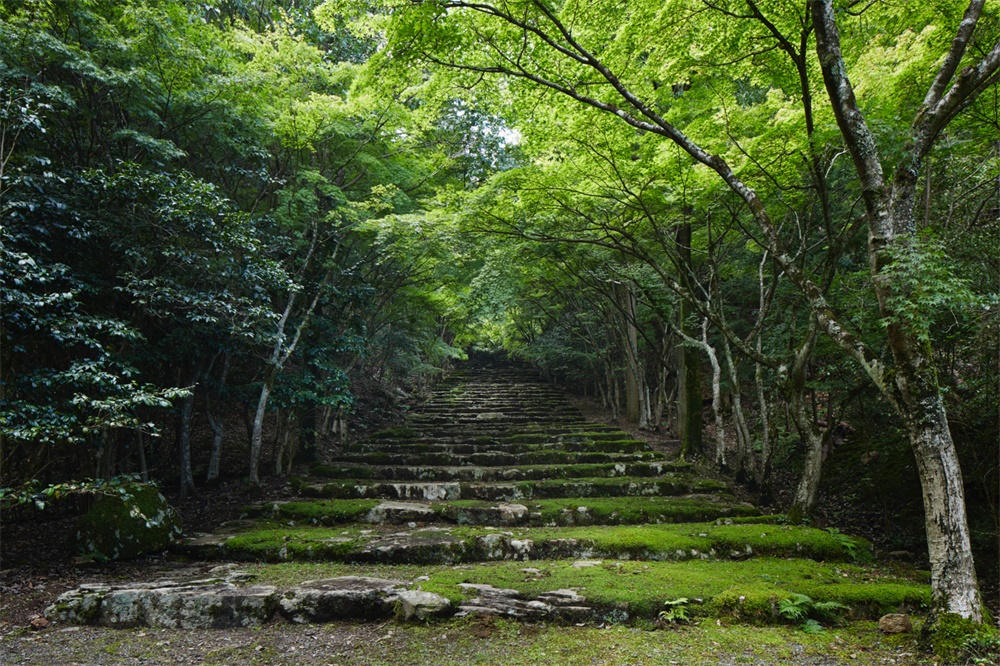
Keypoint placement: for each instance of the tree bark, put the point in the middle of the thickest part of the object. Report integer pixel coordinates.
(217, 425)
(143, 466)
(689, 426)
(187, 412)
(634, 412)
(744, 445)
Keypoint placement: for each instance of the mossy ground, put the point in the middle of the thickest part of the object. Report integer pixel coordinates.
(484, 642)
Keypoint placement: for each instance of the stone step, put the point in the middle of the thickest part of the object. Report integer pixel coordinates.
(492, 418)
(668, 484)
(501, 438)
(565, 591)
(407, 432)
(586, 446)
(537, 513)
(495, 458)
(454, 545)
(471, 473)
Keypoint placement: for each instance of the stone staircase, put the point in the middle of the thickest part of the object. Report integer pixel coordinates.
(515, 505)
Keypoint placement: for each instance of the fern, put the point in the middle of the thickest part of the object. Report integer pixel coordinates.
(811, 627)
(845, 542)
(795, 607)
(830, 610)
(676, 612)
(799, 608)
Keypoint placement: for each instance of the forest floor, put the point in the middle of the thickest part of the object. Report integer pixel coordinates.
(36, 569)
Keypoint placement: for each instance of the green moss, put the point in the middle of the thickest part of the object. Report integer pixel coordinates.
(645, 542)
(868, 600)
(352, 472)
(744, 591)
(327, 512)
(754, 604)
(272, 545)
(127, 526)
(953, 637)
(400, 432)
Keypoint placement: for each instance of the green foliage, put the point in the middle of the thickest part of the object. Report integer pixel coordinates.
(802, 609)
(952, 637)
(43, 496)
(923, 285)
(676, 611)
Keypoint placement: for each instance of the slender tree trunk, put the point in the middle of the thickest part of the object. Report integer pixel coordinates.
(141, 447)
(689, 426)
(258, 424)
(217, 424)
(766, 455)
(187, 413)
(813, 438)
(630, 342)
(720, 427)
(744, 444)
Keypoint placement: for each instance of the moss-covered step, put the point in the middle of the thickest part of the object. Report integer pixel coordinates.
(435, 545)
(540, 405)
(470, 473)
(503, 418)
(570, 511)
(667, 484)
(612, 446)
(625, 591)
(409, 433)
(496, 458)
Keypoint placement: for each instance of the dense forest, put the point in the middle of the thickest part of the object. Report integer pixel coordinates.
(235, 232)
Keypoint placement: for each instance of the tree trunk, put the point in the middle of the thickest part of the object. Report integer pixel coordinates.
(217, 425)
(953, 574)
(744, 444)
(258, 424)
(689, 427)
(766, 456)
(141, 447)
(634, 412)
(187, 412)
(720, 428)
(808, 488)
(913, 387)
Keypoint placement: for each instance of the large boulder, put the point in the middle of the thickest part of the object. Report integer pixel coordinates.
(127, 524)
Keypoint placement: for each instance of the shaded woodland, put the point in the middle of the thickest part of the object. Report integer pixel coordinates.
(237, 233)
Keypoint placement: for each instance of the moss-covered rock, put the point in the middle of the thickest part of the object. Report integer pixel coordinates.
(132, 523)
